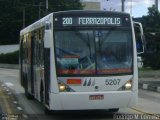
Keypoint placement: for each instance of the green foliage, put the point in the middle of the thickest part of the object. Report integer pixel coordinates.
(8, 22)
(10, 58)
(152, 34)
(151, 21)
(152, 56)
(12, 14)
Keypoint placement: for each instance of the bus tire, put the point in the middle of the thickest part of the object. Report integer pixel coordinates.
(114, 110)
(42, 93)
(47, 111)
(27, 94)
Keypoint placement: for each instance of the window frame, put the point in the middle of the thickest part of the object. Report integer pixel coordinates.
(93, 29)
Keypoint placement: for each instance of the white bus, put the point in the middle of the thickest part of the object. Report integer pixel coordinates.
(80, 60)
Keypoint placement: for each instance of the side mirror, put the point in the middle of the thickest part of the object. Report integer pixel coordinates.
(139, 36)
(47, 35)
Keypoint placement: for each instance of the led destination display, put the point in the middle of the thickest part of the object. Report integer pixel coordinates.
(91, 21)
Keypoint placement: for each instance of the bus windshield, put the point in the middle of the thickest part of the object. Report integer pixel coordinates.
(91, 52)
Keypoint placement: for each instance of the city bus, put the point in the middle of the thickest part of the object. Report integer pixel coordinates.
(80, 60)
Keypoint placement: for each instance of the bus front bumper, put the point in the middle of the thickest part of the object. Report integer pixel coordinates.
(93, 100)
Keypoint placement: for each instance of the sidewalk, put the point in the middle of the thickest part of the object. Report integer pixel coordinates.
(149, 80)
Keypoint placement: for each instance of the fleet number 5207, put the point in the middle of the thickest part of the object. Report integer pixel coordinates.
(112, 81)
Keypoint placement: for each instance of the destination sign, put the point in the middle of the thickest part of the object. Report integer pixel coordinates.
(88, 21)
(99, 21)
(92, 21)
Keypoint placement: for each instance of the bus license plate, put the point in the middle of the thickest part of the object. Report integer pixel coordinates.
(96, 97)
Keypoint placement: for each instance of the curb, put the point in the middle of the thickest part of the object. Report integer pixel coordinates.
(146, 86)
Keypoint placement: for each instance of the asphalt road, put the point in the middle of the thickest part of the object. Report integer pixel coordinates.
(13, 102)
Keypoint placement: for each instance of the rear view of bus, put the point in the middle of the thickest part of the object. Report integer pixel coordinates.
(94, 61)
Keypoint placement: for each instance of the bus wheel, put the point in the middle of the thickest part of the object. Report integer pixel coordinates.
(42, 94)
(28, 96)
(47, 111)
(114, 110)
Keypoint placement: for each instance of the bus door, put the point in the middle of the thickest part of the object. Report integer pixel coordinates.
(29, 50)
(32, 56)
(21, 59)
(38, 61)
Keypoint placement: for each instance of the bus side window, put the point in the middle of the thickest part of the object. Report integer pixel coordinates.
(139, 36)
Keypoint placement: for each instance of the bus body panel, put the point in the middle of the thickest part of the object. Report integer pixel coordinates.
(92, 84)
(135, 65)
(75, 100)
(80, 100)
(37, 69)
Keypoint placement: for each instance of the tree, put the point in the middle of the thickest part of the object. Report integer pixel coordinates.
(152, 20)
(8, 22)
(151, 23)
(12, 13)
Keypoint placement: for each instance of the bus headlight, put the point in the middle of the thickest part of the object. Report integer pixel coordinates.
(128, 85)
(62, 87)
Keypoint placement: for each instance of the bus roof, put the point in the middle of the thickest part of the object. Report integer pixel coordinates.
(35, 25)
(90, 11)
